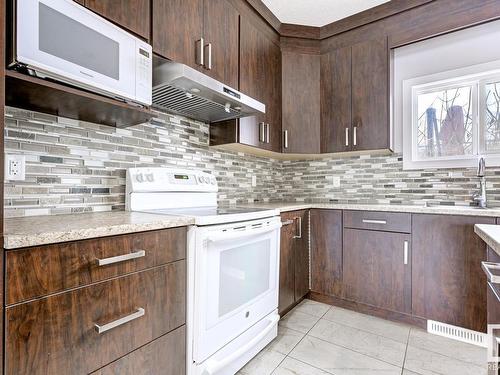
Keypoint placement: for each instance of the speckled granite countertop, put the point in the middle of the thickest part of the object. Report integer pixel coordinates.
(440, 210)
(41, 230)
(490, 234)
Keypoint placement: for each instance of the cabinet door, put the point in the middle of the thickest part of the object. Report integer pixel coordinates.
(301, 253)
(221, 33)
(301, 102)
(326, 252)
(376, 269)
(177, 26)
(336, 125)
(448, 284)
(287, 265)
(133, 15)
(370, 95)
(260, 78)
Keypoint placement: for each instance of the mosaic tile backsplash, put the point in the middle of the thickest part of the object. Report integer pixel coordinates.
(75, 166)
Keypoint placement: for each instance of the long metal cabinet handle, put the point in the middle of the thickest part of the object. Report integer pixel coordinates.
(299, 218)
(262, 132)
(286, 138)
(200, 50)
(347, 137)
(121, 258)
(405, 252)
(118, 322)
(369, 221)
(267, 133)
(354, 136)
(208, 65)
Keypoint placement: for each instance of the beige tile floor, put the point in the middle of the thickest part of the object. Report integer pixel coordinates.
(318, 339)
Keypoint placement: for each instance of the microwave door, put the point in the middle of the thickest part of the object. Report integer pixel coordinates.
(63, 40)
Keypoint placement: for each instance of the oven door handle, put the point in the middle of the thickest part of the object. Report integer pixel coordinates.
(224, 236)
(213, 366)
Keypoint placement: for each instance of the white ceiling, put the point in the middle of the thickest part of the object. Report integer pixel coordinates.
(317, 12)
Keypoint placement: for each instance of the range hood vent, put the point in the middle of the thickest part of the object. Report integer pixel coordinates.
(180, 89)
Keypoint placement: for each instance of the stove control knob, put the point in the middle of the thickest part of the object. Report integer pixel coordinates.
(139, 177)
(200, 179)
(213, 181)
(150, 177)
(206, 179)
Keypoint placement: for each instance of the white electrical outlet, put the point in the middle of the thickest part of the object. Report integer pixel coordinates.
(15, 167)
(336, 181)
(254, 181)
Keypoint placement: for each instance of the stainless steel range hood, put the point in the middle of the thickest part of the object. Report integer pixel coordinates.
(180, 89)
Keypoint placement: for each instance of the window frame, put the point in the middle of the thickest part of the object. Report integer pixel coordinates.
(477, 76)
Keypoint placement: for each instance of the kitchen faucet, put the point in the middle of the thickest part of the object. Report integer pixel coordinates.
(480, 196)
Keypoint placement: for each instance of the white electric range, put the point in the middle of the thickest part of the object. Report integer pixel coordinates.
(233, 266)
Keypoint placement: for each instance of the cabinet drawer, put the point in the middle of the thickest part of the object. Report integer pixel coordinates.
(166, 355)
(59, 334)
(39, 271)
(374, 220)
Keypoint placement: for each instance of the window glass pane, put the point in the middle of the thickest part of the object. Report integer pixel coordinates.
(444, 123)
(491, 126)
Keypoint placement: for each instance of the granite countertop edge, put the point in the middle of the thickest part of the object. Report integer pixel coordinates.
(44, 230)
(489, 233)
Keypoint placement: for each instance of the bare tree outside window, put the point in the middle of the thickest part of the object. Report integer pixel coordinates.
(444, 123)
(491, 126)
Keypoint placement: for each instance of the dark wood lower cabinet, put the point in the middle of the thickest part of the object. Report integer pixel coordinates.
(57, 334)
(448, 284)
(377, 269)
(294, 259)
(326, 252)
(166, 355)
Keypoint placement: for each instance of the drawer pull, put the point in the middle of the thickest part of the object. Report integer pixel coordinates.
(369, 221)
(299, 235)
(118, 322)
(288, 222)
(121, 258)
(487, 267)
(405, 253)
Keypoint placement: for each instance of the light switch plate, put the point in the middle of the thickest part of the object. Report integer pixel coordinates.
(254, 181)
(336, 181)
(15, 167)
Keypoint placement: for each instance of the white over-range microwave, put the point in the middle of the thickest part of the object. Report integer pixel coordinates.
(62, 40)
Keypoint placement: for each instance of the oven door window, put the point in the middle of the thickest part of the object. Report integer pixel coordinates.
(244, 275)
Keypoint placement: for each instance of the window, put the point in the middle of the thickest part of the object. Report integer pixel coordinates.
(452, 118)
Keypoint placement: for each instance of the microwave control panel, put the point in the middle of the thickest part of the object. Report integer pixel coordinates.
(144, 72)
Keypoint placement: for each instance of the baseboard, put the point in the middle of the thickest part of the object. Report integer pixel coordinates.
(369, 310)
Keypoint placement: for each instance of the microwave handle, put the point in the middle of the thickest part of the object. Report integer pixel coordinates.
(213, 366)
(217, 237)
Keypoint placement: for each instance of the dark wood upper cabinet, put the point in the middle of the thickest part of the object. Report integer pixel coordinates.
(177, 26)
(133, 15)
(259, 78)
(301, 102)
(369, 258)
(294, 259)
(355, 97)
(370, 95)
(448, 284)
(221, 23)
(336, 100)
(326, 252)
(202, 34)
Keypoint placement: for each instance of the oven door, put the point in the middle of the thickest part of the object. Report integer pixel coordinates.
(63, 40)
(236, 281)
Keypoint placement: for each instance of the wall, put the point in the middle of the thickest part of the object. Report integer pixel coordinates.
(381, 179)
(79, 167)
(74, 166)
